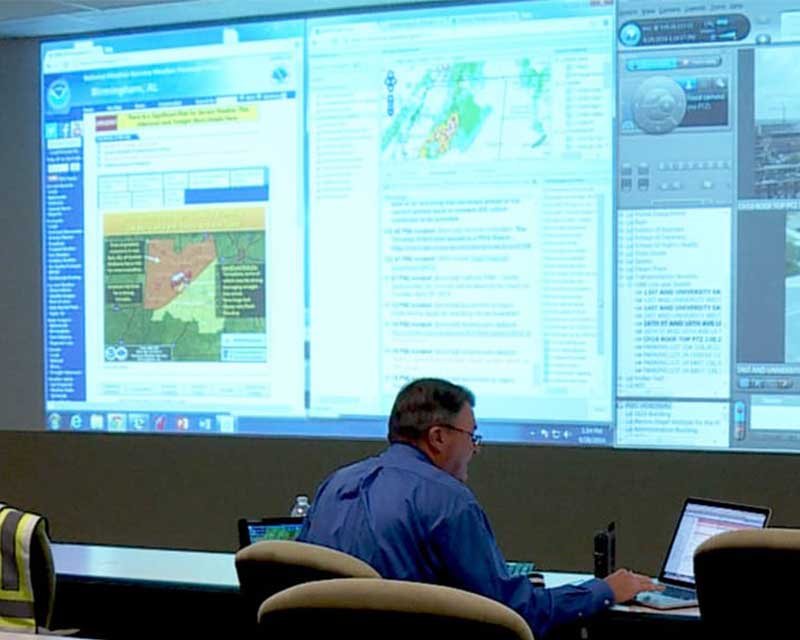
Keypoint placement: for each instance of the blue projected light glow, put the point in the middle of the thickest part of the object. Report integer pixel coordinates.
(268, 227)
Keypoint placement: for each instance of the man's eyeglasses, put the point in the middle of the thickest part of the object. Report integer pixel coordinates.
(473, 435)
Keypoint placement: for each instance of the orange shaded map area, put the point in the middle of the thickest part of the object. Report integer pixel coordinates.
(168, 273)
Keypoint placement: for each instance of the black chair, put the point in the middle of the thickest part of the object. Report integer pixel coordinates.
(747, 582)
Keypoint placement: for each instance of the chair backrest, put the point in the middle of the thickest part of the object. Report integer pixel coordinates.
(359, 609)
(747, 580)
(265, 568)
(27, 576)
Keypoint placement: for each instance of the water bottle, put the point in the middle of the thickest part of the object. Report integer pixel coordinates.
(300, 507)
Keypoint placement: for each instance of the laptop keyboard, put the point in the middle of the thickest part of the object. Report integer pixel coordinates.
(670, 598)
(520, 568)
(679, 593)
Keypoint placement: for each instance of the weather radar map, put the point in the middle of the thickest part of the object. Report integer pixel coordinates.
(176, 297)
(468, 110)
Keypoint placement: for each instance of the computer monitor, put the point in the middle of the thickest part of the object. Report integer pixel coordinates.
(252, 531)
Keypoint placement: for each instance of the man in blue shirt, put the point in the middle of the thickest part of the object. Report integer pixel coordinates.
(408, 513)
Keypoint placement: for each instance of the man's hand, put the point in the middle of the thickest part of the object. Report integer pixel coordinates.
(626, 584)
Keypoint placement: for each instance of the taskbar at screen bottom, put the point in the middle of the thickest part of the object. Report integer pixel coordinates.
(113, 421)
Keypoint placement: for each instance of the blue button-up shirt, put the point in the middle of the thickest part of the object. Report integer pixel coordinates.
(411, 520)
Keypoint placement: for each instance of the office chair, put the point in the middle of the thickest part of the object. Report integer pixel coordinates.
(28, 583)
(265, 568)
(747, 581)
(359, 609)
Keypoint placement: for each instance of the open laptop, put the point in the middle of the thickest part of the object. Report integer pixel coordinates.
(699, 520)
(251, 531)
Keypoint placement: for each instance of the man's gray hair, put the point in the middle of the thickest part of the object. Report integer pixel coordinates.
(423, 403)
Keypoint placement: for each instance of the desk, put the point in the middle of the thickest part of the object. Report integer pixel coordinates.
(629, 621)
(560, 578)
(127, 592)
(134, 565)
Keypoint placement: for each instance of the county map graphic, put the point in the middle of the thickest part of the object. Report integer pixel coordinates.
(173, 297)
(478, 110)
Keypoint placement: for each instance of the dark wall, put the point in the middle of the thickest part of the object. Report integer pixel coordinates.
(544, 503)
(188, 491)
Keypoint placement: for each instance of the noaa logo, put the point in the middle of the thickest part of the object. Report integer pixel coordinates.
(58, 95)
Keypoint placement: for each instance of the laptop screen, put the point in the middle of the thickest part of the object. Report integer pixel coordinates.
(699, 520)
(251, 531)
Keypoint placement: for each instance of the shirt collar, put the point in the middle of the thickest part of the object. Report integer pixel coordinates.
(407, 451)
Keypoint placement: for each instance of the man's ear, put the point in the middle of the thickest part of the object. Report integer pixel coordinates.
(435, 438)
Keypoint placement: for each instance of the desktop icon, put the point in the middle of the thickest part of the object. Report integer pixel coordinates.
(226, 424)
(204, 424)
(117, 422)
(182, 423)
(54, 421)
(76, 421)
(160, 423)
(139, 421)
(96, 422)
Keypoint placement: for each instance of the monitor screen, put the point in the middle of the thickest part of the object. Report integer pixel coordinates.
(699, 521)
(252, 531)
(585, 211)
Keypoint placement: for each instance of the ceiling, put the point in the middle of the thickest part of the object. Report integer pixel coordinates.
(30, 18)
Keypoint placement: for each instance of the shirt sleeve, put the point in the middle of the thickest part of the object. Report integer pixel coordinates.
(465, 542)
